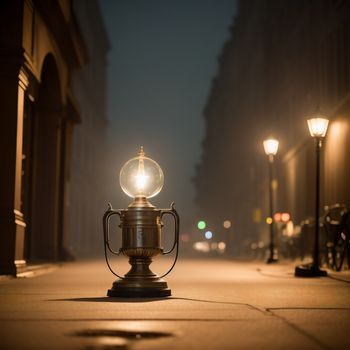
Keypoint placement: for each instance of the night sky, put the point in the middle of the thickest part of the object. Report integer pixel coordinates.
(162, 60)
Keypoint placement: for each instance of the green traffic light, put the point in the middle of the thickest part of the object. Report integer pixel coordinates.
(201, 225)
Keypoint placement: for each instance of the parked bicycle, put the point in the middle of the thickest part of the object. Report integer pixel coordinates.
(336, 224)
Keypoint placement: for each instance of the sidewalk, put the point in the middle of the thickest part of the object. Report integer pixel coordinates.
(215, 305)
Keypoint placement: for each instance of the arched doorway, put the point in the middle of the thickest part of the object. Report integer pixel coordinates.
(45, 189)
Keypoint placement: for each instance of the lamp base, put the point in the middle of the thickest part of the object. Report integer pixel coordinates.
(309, 270)
(133, 288)
(271, 260)
(140, 282)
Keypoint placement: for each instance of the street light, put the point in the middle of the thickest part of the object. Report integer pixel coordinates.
(228, 238)
(318, 128)
(271, 148)
(140, 178)
(226, 224)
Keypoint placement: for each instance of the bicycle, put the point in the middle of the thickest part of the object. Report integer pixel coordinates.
(335, 224)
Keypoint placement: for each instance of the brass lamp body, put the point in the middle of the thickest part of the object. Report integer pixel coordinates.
(141, 225)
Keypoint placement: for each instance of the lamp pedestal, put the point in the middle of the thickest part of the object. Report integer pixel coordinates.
(309, 270)
(140, 282)
(271, 260)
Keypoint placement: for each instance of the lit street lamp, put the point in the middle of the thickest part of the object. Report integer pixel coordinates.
(226, 224)
(228, 239)
(140, 178)
(271, 147)
(318, 129)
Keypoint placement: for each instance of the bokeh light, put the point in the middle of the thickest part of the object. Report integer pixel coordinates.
(208, 235)
(221, 246)
(185, 237)
(201, 224)
(227, 224)
(269, 220)
(285, 217)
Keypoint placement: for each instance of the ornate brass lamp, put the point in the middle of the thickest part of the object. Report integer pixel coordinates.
(140, 178)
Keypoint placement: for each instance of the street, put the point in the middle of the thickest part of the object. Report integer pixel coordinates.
(215, 304)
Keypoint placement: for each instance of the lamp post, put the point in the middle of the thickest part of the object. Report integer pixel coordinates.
(318, 128)
(140, 178)
(228, 236)
(271, 148)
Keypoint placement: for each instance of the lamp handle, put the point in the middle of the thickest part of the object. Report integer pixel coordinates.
(175, 215)
(106, 217)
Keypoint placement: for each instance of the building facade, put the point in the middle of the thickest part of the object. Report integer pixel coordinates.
(47, 68)
(282, 60)
(88, 180)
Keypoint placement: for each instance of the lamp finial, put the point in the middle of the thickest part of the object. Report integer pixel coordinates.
(141, 153)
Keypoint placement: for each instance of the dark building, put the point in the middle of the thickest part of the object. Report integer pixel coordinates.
(282, 60)
(52, 77)
(88, 181)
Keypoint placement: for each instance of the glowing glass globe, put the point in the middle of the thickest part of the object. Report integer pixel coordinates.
(141, 177)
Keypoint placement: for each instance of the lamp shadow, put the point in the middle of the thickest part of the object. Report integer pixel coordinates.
(111, 300)
(107, 299)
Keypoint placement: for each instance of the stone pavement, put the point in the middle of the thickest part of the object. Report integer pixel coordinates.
(216, 304)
